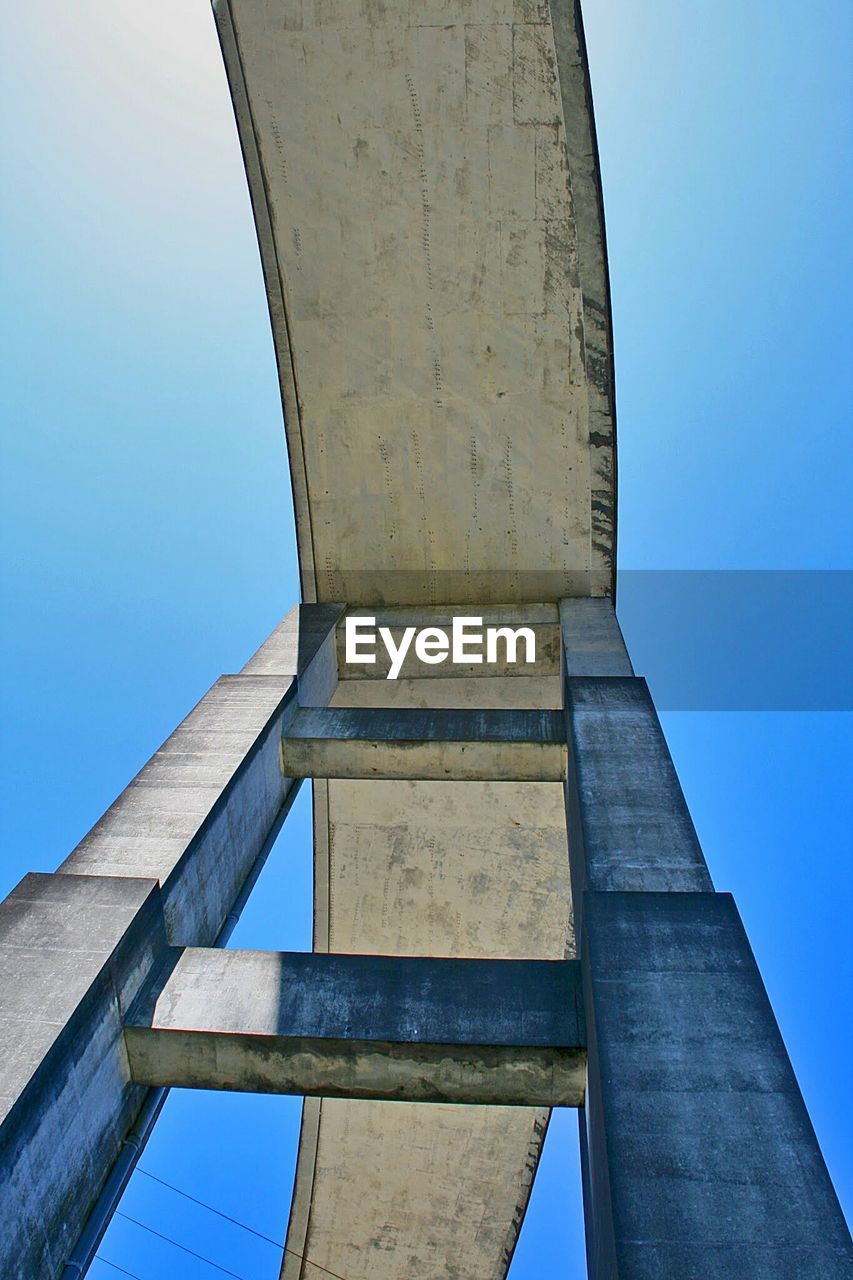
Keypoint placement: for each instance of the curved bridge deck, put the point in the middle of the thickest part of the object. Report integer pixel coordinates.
(425, 187)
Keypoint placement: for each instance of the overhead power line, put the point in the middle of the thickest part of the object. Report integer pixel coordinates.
(163, 1183)
(202, 1204)
(234, 1221)
(178, 1245)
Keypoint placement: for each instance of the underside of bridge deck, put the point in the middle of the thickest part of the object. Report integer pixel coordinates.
(425, 185)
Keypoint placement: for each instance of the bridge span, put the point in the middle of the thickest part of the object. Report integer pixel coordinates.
(425, 186)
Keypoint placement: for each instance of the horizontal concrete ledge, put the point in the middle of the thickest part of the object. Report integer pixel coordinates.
(417, 1029)
(466, 745)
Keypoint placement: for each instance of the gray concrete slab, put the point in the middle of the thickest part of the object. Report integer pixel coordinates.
(418, 1029)
(427, 263)
(700, 1155)
(541, 619)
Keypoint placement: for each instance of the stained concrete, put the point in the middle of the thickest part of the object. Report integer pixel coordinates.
(425, 188)
(593, 643)
(168, 859)
(433, 868)
(542, 619)
(697, 1152)
(74, 953)
(629, 825)
(701, 1158)
(506, 1032)
(438, 293)
(467, 745)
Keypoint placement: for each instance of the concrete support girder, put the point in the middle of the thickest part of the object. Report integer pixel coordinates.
(466, 746)
(414, 1029)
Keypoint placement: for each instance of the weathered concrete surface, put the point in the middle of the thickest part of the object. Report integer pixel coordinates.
(438, 293)
(502, 685)
(429, 868)
(418, 1029)
(698, 1155)
(74, 951)
(441, 322)
(629, 825)
(438, 868)
(75, 947)
(701, 1158)
(592, 639)
(509, 746)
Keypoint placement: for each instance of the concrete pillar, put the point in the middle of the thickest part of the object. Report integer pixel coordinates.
(74, 953)
(698, 1155)
(166, 863)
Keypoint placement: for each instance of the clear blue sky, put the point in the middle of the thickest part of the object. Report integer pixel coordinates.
(147, 534)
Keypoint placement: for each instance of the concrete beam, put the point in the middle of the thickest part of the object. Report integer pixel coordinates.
(416, 1029)
(349, 742)
(698, 1155)
(486, 496)
(700, 1159)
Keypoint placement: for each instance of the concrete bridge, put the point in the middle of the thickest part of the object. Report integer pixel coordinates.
(512, 910)
(425, 185)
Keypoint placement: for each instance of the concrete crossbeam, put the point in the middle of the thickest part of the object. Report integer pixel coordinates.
(542, 620)
(416, 1029)
(700, 1159)
(469, 745)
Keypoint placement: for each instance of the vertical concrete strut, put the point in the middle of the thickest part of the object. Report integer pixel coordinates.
(699, 1158)
(168, 863)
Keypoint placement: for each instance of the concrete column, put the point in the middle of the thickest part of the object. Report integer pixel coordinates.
(74, 952)
(166, 863)
(698, 1155)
